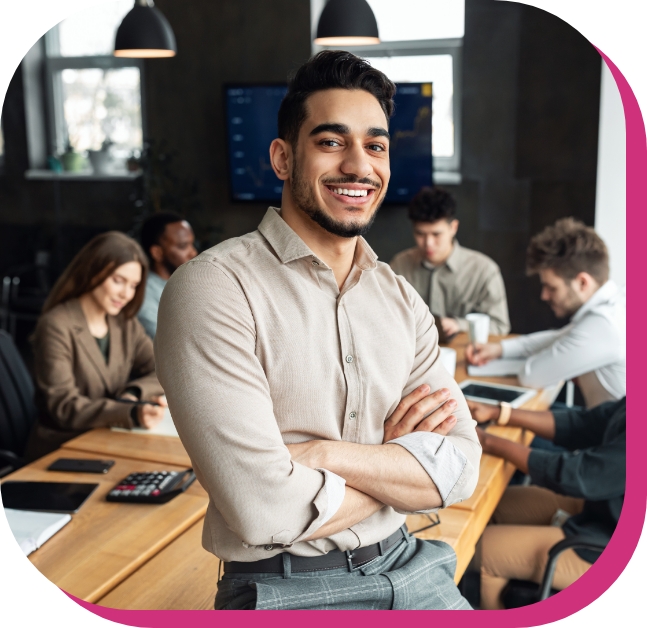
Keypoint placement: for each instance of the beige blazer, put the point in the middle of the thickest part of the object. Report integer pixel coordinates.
(74, 385)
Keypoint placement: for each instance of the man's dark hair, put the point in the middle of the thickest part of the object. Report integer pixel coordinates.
(330, 69)
(431, 205)
(154, 227)
(568, 248)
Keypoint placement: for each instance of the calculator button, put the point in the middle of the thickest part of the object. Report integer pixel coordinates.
(156, 492)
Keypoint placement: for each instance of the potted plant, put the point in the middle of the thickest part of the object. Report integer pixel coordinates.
(101, 160)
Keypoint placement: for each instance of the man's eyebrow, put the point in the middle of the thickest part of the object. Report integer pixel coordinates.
(331, 127)
(377, 131)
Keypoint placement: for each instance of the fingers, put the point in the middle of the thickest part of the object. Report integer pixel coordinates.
(430, 423)
(405, 404)
(446, 426)
(420, 410)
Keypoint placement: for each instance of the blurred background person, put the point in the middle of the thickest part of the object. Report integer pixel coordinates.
(90, 349)
(452, 280)
(168, 241)
(577, 491)
(573, 265)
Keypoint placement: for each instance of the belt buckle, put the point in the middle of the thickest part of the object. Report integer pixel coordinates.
(349, 560)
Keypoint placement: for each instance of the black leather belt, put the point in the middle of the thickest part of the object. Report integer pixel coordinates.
(332, 560)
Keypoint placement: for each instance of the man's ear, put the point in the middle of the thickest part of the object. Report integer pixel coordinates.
(585, 281)
(281, 158)
(454, 226)
(157, 253)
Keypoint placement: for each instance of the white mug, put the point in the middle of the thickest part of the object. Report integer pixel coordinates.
(479, 327)
(448, 358)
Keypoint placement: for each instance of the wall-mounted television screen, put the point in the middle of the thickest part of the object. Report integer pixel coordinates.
(252, 111)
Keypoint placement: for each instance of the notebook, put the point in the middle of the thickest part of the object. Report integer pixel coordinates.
(32, 529)
(165, 427)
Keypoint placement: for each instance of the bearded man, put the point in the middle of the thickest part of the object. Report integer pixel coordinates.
(305, 382)
(573, 266)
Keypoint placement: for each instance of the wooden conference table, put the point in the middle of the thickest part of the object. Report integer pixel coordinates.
(137, 556)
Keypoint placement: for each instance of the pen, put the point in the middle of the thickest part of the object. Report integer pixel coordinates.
(137, 403)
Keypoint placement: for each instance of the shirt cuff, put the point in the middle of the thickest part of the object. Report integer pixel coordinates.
(463, 325)
(512, 348)
(538, 466)
(445, 464)
(327, 503)
(336, 490)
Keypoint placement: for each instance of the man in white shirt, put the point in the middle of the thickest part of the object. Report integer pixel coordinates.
(573, 264)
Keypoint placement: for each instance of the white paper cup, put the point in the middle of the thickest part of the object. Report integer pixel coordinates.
(448, 358)
(479, 327)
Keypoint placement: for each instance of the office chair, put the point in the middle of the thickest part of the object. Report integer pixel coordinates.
(17, 407)
(24, 291)
(519, 593)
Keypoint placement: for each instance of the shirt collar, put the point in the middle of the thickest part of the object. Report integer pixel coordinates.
(452, 262)
(606, 292)
(289, 246)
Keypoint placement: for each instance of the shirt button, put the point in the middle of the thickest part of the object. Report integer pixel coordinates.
(315, 262)
(269, 548)
(352, 415)
(349, 358)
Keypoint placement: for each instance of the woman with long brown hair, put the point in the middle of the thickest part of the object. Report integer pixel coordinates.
(92, 356)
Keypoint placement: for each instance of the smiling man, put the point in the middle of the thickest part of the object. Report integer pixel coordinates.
(573, 265)
(299, 371)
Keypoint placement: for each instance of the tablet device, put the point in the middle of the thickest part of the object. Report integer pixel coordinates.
(485, 392)
(45, 496)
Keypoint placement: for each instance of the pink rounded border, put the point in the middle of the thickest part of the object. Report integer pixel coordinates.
(623, 543)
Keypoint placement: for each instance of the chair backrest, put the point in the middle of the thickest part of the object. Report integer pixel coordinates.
(17, 407)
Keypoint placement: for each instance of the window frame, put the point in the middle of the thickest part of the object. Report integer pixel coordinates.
(428, 47)
(54, 64)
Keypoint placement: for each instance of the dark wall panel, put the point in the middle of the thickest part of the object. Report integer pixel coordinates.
(529, 135)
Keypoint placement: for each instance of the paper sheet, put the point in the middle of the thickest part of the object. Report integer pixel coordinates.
(497, 368)
(165, 428)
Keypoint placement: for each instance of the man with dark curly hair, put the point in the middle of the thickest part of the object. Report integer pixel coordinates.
(573, 265)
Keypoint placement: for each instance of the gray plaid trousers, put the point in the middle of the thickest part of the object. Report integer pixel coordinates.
(413, 575)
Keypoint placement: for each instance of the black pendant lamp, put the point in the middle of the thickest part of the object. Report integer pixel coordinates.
(347, 23)
(145, 33)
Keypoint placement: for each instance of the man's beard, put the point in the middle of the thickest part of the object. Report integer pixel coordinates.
(304, 199)
(571, 304)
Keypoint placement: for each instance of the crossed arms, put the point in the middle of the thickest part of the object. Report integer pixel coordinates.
(224, 409)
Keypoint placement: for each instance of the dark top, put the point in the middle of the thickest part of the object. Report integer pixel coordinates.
(594, 468)
(104, 346)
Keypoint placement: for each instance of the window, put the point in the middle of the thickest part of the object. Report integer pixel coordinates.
(93, 97)
(421, 41)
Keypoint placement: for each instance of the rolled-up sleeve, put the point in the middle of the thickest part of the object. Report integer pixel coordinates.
(220, 400)
(451, 461)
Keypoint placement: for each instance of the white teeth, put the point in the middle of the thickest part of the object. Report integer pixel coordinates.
(346, 192)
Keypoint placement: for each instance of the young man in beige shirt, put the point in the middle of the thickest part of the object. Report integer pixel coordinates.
(285, 355)
(452, 280)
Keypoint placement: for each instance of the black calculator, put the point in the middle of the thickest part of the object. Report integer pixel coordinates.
(155, 487)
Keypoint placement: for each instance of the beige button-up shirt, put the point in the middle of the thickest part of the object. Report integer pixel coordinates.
(257, 347)
(467, 282)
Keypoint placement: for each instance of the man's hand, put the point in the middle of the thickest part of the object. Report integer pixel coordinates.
(483, 412)
(449, 325)
(414, 414)
(479, 354)
(148, 415)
